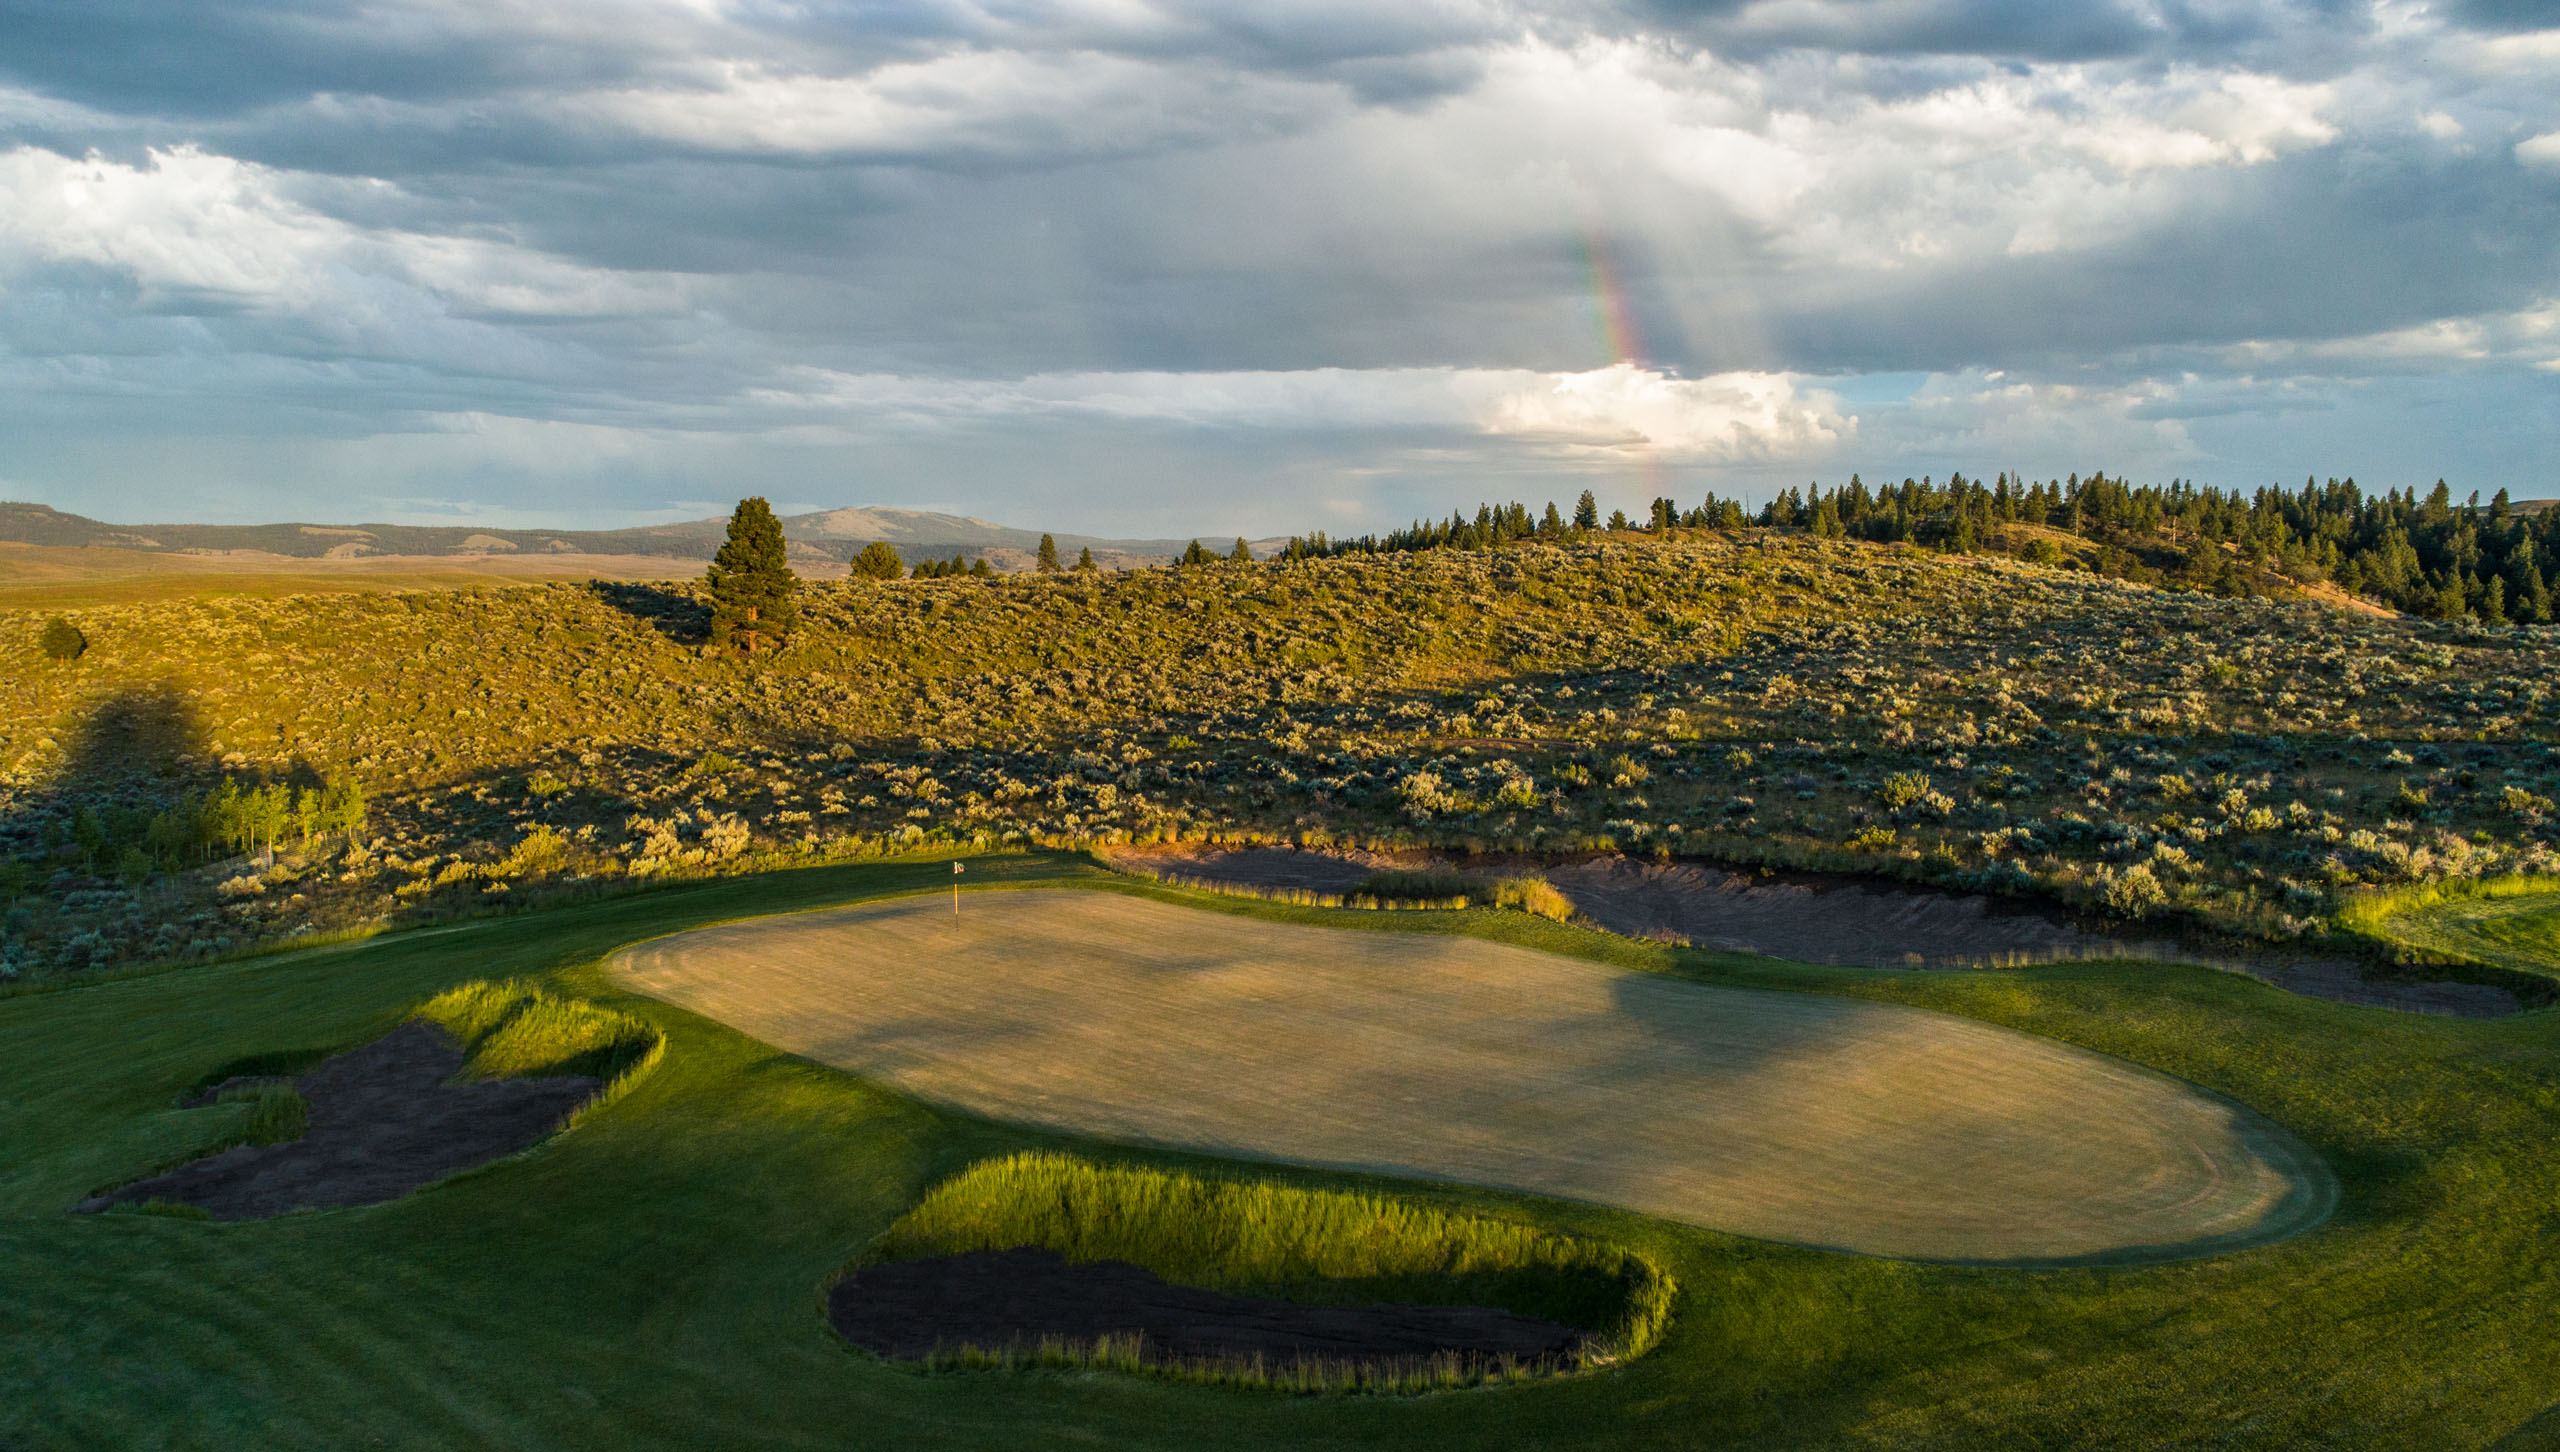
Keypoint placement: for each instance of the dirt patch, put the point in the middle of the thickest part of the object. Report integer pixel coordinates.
(1815, 920)
(384, 1121)
(994, 1299)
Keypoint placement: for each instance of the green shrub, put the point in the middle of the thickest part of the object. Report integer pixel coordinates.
(1903, 789)
(62, 640)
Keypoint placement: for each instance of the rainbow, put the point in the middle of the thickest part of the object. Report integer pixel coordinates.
(1620, 342)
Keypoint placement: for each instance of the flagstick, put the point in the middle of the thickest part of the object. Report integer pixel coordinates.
(955, 891)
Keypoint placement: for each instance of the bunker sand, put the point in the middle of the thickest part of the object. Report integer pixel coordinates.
(1823, 1121)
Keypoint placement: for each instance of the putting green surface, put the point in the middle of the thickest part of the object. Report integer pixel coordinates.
(1836, 1122)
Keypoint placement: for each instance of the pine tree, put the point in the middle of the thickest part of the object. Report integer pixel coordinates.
(877, 562)
(1553, 524)
(1586, 512)
(753, 592)
(1242, 554)
(1084, 561)
(1192, 554)
(1049, 555)
(1617, 519)
(979, 569)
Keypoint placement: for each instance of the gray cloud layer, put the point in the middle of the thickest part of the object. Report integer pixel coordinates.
(1260, 265)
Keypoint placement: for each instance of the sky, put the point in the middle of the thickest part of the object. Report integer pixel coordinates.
(1261, 266)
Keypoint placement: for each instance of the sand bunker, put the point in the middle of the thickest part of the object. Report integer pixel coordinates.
(383, 1121)
(1860, 924)
(1825, 1121)
(994, 1299)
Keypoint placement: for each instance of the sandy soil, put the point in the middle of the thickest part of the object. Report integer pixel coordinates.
(1798, 1117)
(1868, 925)
(383, 1121)
(998, 1298)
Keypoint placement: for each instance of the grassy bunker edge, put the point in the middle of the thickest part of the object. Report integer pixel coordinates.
(1260, 1237)
(507, 1030)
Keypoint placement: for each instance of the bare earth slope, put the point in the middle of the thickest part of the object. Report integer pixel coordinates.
(1824, 1121)
(1873, 924)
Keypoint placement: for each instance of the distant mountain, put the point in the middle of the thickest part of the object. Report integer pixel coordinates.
(831, 535)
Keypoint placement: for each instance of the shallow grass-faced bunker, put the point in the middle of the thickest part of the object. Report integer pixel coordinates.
(1048, 1260)
(477, 1073)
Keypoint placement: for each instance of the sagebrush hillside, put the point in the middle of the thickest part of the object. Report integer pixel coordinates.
(1768, 697)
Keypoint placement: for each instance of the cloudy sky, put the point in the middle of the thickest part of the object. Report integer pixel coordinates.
(1133, 266)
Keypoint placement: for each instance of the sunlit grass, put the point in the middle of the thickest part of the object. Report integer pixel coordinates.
(1261, 1237)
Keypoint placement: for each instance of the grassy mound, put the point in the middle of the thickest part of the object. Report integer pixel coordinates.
(2503, 931)
(1259, 1237)
(514, 1030)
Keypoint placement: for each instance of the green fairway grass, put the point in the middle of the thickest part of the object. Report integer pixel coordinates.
(654, 1277)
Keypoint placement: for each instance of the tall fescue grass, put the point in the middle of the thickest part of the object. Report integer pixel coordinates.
(513, 1030)
(2526, 972)
(277, 1113)
(1260, 1237)
(1526, 893)
(2368, 911)
(1396, 890)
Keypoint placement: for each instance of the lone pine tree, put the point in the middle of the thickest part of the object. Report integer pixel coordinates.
(754, 600)
(878, 562)
(1048, 555)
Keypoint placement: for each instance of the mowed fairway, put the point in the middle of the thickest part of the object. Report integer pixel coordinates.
(1835, 1122)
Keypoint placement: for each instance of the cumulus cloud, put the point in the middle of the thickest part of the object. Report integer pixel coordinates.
(190, 229)
(971, 253)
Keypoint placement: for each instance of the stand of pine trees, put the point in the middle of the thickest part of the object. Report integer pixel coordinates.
(2430, 557)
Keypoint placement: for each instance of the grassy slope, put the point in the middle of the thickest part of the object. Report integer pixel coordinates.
(1740, 699)
(653, 1277)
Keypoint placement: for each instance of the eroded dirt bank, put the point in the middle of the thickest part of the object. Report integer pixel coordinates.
(1811, 920)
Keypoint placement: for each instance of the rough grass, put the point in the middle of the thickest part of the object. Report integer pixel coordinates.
(1397, 889)
(514, 1030)
(654, 1280)
(277, 1113)
(2501, 930)
(1442, 886)
(1260, 1237)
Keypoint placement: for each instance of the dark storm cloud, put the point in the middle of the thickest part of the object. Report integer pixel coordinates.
(2022, 29)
